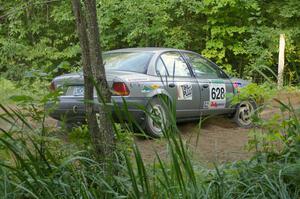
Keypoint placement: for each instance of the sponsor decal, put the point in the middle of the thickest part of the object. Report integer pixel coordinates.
(147, 89)
(237, 86)
(206, 104)
(184, 91)
(213, 104)
(155, 86)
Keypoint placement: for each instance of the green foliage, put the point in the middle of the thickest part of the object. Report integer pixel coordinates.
(258, 93)
(7, 89)
(38, 41)
(279, 137)
(34, 90)
(125, 138)
(241, 36)
(40, 166)
(36, 35)
(81, 137)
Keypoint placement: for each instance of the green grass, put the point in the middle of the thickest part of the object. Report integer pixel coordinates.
(7, 89)
(41, 166)
(34, 89)
(35, 163)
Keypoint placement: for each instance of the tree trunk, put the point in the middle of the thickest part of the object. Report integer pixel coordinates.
(105, 138)
(281, 60)
(93, 70)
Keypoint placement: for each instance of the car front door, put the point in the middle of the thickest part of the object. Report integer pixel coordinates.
(180, 84)
(216, 88)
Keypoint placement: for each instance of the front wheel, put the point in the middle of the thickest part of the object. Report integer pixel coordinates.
(244, 112)
(156, 118)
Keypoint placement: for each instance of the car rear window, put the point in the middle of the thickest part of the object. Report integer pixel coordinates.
(127, 61)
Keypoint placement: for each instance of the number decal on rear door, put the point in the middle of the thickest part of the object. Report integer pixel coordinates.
(217, 97)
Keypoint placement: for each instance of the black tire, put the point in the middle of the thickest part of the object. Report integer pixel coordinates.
(244, 113)
(153, 124)
(230, 115)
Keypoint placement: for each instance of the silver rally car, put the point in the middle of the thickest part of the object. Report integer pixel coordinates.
(140, 76)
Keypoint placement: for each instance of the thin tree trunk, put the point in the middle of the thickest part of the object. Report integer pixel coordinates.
(105, 138)
(87, 71)
(93, 69)
(281, 60)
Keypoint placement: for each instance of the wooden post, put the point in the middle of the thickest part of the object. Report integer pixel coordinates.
(281, 60)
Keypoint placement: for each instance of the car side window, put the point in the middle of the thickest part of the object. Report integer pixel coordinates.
(204, 68)
(172, 63)
(160, 68)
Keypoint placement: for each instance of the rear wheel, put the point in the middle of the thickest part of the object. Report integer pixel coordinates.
(156, 118)
(244, 112)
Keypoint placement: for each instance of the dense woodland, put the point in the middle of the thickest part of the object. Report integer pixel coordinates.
(41, 160)
(241, 36)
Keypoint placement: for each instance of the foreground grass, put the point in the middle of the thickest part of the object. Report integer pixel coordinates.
(40, 166)
(36, 164)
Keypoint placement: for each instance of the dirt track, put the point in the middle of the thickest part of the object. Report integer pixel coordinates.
(219, 139)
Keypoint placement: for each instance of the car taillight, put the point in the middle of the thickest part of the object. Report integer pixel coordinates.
(52, 86)
(120, 88)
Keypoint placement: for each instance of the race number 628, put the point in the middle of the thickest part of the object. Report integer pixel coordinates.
(217, 93)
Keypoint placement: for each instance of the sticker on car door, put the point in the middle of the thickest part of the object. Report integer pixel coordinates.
(217, 95)
(184, 91)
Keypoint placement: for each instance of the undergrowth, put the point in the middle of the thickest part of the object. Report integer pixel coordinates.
(38, 164)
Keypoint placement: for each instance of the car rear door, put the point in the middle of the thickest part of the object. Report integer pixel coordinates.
(216, 88)
(179, 83)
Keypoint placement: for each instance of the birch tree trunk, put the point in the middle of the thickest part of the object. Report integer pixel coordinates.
(281, 60)
(102, 134)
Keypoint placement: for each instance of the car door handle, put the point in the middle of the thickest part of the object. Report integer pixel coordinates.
(171, 85)
(205, 85)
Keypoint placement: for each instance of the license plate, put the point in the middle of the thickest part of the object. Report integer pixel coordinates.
(78, 91)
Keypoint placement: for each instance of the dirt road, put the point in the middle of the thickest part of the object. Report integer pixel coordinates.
(219, 139)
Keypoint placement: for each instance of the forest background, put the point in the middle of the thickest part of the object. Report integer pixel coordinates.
(242, 36)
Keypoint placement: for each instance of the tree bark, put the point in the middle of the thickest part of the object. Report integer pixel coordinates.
(93, 70)
(105, 138)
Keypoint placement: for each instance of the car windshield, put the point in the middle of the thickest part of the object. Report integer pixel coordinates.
(127, 61)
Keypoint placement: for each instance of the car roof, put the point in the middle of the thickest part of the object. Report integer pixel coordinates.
(146, 49)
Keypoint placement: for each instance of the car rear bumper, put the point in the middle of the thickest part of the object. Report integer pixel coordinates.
(71, 109)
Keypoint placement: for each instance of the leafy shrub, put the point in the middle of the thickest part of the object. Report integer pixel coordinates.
(258, 93)
(279, 137)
